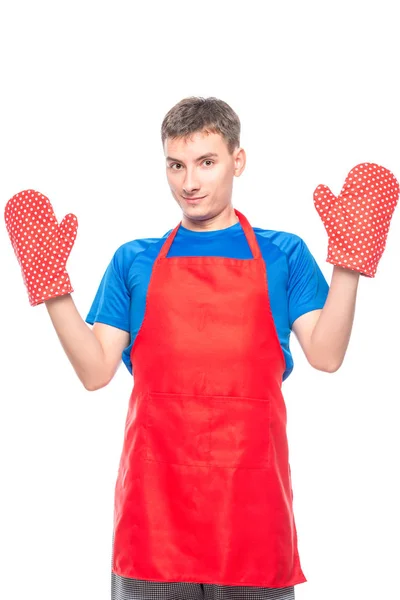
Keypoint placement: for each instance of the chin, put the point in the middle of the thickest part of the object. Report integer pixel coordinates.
(194, 211)
(196, 214)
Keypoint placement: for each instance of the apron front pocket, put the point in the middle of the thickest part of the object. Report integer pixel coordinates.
(218, 431)
(240, 432)
(178, 429)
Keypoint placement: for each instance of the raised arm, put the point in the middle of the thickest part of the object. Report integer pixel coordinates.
(324, 335)
(94, 353)
(357, 223)
(42, 247)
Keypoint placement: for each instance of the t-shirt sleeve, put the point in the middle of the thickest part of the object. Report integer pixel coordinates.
(111, 304)
(307, 286)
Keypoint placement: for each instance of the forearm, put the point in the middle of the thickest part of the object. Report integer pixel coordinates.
(331, 334)
(80, 344)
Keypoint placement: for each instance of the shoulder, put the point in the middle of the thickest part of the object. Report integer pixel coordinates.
(128, 252)
(306, 282)
(288, 244)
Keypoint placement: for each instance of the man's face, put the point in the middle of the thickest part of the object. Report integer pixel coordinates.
(200, 173)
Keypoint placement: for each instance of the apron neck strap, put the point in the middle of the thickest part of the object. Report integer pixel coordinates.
(250, 235)
(247, 228)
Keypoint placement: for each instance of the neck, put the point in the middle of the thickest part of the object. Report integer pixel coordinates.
(222, 220)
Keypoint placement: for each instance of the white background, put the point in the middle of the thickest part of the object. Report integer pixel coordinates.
(84, 88)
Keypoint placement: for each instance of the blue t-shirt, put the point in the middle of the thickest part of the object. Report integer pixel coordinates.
(295, 282)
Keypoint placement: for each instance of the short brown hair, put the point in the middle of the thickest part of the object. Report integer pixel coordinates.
(195, 114)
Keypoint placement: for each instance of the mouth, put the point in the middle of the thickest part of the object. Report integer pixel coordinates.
(193, 200)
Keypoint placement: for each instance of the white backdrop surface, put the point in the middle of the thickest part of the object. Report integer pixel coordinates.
(85, 86)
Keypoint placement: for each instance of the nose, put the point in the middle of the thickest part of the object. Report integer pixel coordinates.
(191, 183)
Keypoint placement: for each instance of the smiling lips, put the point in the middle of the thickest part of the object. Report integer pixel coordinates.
(195, 199)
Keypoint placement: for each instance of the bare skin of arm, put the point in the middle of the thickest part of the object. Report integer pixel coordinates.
(95, 353)
(324, 334)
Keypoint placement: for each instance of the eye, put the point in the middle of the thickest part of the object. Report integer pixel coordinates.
(211, 162)
(172, 165)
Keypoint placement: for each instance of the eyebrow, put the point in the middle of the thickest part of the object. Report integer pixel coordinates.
(202, 157)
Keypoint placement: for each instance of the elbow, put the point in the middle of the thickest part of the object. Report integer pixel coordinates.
(327, 366)
(330, 368)
(92, 385)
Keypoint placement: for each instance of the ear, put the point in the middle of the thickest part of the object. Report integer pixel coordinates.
(239, 156)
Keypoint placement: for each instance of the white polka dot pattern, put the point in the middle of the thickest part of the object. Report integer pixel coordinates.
(357, 221)
(41, 245)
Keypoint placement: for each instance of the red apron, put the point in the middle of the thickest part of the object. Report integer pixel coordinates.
(203, 492)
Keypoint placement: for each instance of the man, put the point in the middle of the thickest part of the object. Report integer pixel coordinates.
(202, 317)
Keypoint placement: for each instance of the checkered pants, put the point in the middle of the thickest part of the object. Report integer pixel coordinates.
(123, 588)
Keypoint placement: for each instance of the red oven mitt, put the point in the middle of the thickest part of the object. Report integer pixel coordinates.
(41, 245)
(357, 221)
